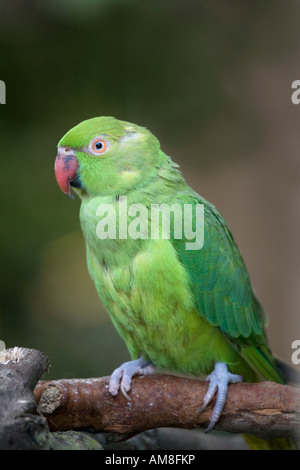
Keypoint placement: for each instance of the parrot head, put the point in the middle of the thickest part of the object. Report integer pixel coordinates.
(105, 156)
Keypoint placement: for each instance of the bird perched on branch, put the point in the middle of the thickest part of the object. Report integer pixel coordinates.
(183, 307)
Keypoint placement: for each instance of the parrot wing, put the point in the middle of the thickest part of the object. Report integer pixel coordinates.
(222, 289)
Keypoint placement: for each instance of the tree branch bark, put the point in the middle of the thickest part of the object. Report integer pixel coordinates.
(20, 427)
(266, 409)
(20, 369)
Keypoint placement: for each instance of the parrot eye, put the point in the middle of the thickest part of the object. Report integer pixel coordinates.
(98, 145)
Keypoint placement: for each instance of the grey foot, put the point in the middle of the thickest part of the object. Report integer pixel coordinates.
(122, 376)
(218, 383)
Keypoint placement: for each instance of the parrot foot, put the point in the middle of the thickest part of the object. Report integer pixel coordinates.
(218, 383)
(122, 376)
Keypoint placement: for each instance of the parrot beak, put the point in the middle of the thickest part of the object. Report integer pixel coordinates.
(66, 167)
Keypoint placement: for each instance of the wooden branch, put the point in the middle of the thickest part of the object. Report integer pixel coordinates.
(266, 409)
(20, 426)
(20, 369)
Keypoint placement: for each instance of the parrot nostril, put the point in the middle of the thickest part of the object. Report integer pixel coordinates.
(66, 151)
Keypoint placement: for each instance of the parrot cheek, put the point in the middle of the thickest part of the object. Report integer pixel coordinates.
(66, 167)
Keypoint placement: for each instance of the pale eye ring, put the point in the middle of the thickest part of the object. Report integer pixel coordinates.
(98, 145)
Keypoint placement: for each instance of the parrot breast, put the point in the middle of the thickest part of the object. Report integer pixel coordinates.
(146, 291)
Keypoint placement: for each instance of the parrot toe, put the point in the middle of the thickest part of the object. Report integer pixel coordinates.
(122, 376)
(218, 383)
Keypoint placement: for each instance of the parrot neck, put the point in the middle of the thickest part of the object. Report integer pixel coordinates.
(161, 188)
(162, 182)
(104, 219)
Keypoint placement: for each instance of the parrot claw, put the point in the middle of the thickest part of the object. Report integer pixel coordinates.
(218, 383)
(122, 376)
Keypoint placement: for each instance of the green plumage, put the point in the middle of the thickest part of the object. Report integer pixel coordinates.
(182, 309)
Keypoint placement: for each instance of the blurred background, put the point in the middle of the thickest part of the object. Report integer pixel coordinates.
(212, 80)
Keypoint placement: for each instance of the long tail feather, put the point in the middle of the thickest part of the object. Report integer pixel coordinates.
(255, 443)
(263, 363)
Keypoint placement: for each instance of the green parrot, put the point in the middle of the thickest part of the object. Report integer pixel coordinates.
(178, 306)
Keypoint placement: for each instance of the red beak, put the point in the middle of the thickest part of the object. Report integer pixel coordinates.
(66, 167)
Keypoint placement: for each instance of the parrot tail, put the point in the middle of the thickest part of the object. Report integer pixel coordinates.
(263, 363)
(255, 443)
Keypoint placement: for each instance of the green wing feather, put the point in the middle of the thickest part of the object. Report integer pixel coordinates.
(222, 290)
